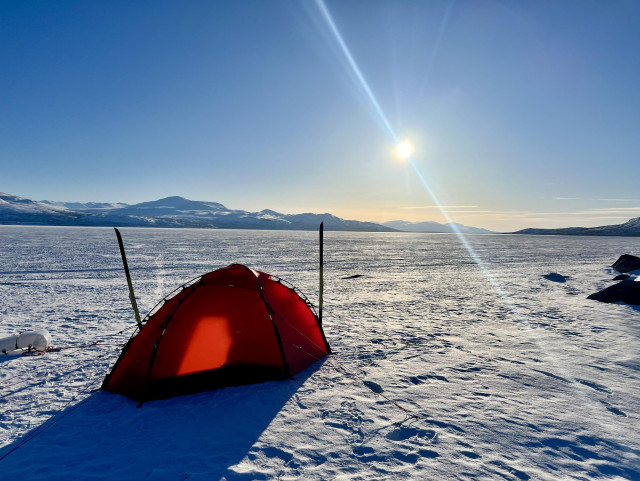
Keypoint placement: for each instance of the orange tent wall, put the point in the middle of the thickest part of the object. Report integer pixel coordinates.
(301, 337)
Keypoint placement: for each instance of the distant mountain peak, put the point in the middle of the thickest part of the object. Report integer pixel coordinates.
(22, 204)
(269, 212)
(172, 198)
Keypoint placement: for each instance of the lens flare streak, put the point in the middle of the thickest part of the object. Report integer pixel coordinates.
(365, 86)
(474, 255)
(354, 66)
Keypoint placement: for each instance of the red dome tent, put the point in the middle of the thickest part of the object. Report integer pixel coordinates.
(231, 326)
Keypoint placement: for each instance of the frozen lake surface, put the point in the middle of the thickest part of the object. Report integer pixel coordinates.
(489, 372)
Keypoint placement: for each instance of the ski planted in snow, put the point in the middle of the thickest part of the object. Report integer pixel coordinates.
(126, 271)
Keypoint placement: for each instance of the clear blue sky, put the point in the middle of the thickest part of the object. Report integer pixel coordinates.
(523, 113)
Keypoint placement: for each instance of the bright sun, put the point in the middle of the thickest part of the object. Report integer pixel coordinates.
(404, 150)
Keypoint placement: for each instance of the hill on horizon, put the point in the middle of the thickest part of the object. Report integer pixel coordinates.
(630, 228)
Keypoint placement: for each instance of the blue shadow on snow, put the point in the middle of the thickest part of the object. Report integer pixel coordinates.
(187, 437)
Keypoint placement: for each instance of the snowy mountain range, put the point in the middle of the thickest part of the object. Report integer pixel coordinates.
(629, 228)
(434, 227)
(180, 212)
(168, 212)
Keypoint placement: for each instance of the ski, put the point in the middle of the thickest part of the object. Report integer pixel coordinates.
(126, 272)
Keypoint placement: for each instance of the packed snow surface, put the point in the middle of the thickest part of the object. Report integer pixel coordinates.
(443, 369)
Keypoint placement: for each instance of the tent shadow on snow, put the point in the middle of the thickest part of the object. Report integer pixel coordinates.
(198, 436)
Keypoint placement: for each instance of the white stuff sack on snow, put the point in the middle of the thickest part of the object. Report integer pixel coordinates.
(30, 340)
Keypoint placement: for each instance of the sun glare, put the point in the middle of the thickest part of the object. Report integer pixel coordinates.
(404, 150)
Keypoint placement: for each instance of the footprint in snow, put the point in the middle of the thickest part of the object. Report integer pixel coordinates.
(521, 475)
(470, 454)
(347, 419)
(424, 377)
(413, 457)
(444, 425)
(481, 394)
(403, 433)
(471, 368)
(297, 400)
(614, 410)
(554, 376)
(593, 385)
(273, 452)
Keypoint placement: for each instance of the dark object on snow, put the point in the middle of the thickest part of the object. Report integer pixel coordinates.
(626, 291)
(627, 263)
(355, 276)
(621, 277)
(231, 326)
(555, 277)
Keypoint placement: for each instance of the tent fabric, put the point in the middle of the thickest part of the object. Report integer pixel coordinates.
(233, 326)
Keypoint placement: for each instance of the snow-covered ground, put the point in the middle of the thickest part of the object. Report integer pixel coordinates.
(494, 373)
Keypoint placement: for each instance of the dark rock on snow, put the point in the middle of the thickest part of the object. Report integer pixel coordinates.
(627, 291)
(355, 276)
(621, 277)
(555, 277)
(627, 263)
